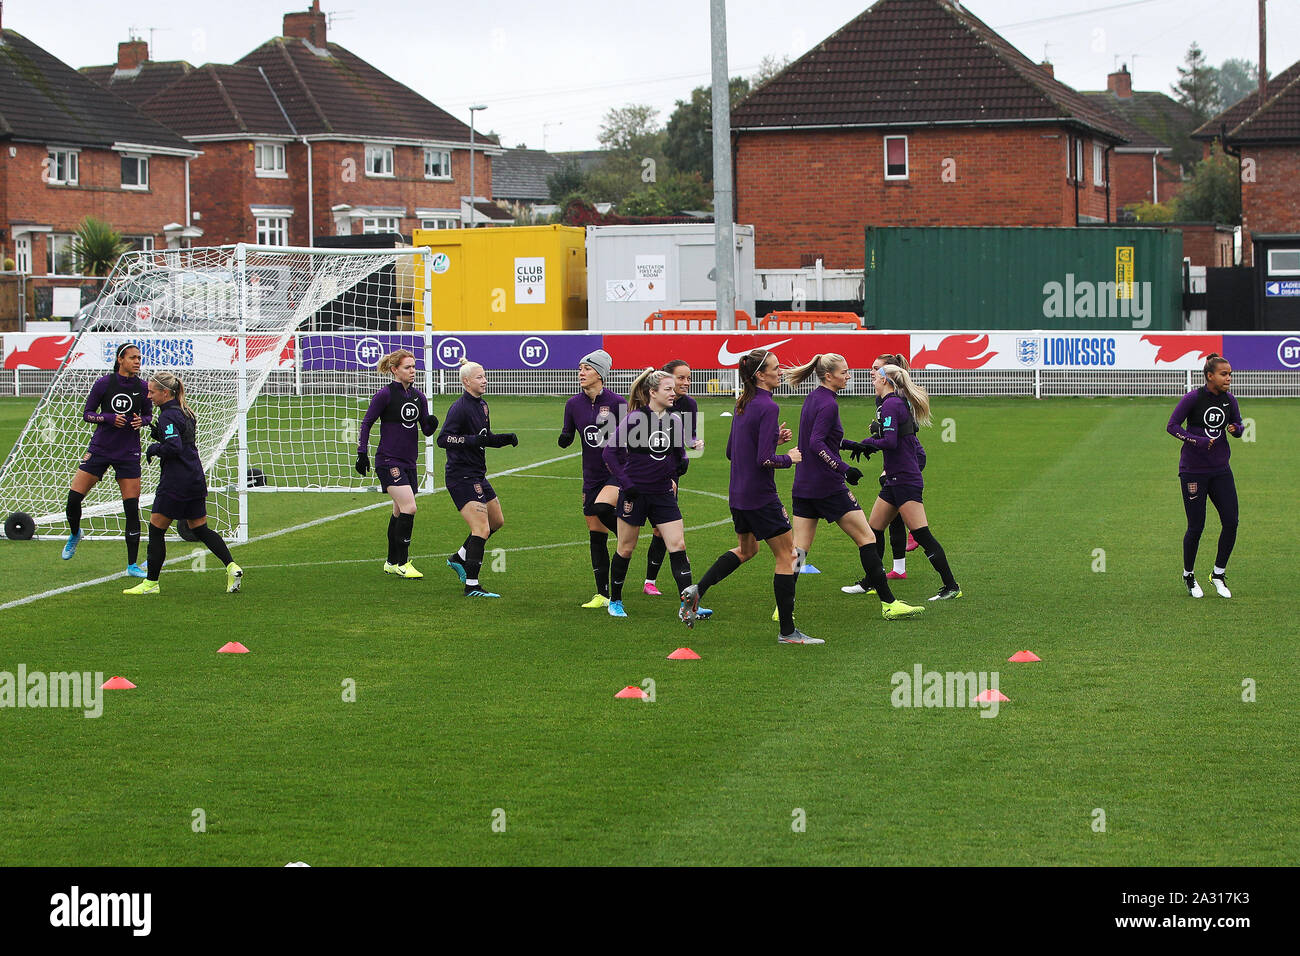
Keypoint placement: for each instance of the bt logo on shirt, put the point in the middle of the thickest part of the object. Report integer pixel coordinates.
(1214, 420)
(410, 414)
(121, 403)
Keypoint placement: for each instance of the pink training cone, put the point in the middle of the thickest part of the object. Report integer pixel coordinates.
(1023, 657)
(990, 695)
(683, 654)
(634, 693)
(233, 647)
(117, 683)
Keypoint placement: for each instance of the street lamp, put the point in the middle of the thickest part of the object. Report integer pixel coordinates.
(472, 212)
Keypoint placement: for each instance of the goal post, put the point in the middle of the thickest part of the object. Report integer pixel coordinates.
(224, 319)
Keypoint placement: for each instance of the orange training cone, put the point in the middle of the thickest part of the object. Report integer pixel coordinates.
(233, 647)
(683, 654)
(634, 693)
(117, 683)
(1023, 657)
(991, 695)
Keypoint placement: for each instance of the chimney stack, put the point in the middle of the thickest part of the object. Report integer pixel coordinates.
(131, 54)
(1048, 68)
(1121, 83)
(309, 26)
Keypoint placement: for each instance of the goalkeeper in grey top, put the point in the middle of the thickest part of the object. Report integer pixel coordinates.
(399, 408)
(466, 432)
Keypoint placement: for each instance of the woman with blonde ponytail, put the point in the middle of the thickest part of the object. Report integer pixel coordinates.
(905, 405)
(819, 479)
(182, 488)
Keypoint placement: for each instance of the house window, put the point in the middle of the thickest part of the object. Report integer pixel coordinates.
(1284, 262)
(439, 224)
(59, 257)
(1098, 165)
(135, 172)
(268, 160)
(139, 243)
(61, 167)
(379, 161)
(378, 224)
(1078, 159)
(437, 164)
(895, 157)
(23, 254)
(272, 231)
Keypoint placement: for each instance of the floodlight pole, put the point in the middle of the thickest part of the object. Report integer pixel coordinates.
(724, 238)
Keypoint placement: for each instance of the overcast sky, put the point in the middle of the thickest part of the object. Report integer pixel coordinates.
(549, 71)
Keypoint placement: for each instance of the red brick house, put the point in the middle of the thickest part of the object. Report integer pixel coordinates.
(70, 149)
(915, 113)
(1151, 165)
(1266, 139)
(302, 138)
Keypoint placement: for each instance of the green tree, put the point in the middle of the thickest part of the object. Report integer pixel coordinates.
(1236, 79)
(633, 157)
(564, 181)
(97, 246)
(1151, 211)
(1198, 85)
(768, 67)
(630, 129)
(1213, 194)
(689, 135)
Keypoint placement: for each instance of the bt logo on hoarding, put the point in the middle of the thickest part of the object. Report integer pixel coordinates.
(533, 352)
(1288, 352)
(450, 351)
(369, 351)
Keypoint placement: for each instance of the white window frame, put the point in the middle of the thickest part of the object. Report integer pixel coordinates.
(384, 155)
(1098, 165)
(430, 152)
(271, 228)
(446, 222)
(277, 169)
(1078, 159)
(1282, 272)
(374, 225)
(72, 167)
(142, 165)
(50, 257)
(906, 158)
(23, 254)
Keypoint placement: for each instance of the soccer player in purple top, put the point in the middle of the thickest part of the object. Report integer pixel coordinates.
(689, 411)
(1200, 421)
(118, 406)
(646, 457)
(819, 490)
(756, 509)
(399, 408)
(906, 406)
(182, 486)
(466, 431)
(594, 413)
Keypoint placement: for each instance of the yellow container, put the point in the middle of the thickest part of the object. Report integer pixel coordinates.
(512, 278)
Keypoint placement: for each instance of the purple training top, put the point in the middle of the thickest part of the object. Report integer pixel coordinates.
(902, 454)
(751, 449)
(1207, 416)
(399, 410)
(466, 431)
(648, 451)
(689, 409)
(114, 395)
(821, 473)
(595, 420)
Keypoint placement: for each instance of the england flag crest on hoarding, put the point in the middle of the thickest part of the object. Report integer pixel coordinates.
(1027, 351)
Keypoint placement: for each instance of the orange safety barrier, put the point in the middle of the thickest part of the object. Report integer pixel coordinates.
(809, 321)
(688, 320)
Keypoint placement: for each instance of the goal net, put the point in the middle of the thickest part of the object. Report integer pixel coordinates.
(224, 319)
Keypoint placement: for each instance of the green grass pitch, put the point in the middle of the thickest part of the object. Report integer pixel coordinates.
(470, 714)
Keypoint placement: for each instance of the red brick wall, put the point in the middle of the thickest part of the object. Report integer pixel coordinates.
(1270, 204)
(99, 193)
(225, 185)
(1207, 246)
(814, 191)
(1131, 179)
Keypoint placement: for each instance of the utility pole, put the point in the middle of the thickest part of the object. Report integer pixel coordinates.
(724, 238)
(1263, 64)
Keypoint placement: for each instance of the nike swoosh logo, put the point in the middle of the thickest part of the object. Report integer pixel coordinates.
(727, 357)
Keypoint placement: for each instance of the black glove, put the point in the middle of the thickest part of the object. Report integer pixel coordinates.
(363, 463)
(875, 427)
(150, 453)
(857, 450)
(853, 475)
(566, 439)
(431, 426)
(504, 439)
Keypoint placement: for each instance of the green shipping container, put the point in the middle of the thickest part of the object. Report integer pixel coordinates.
(985, 278)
